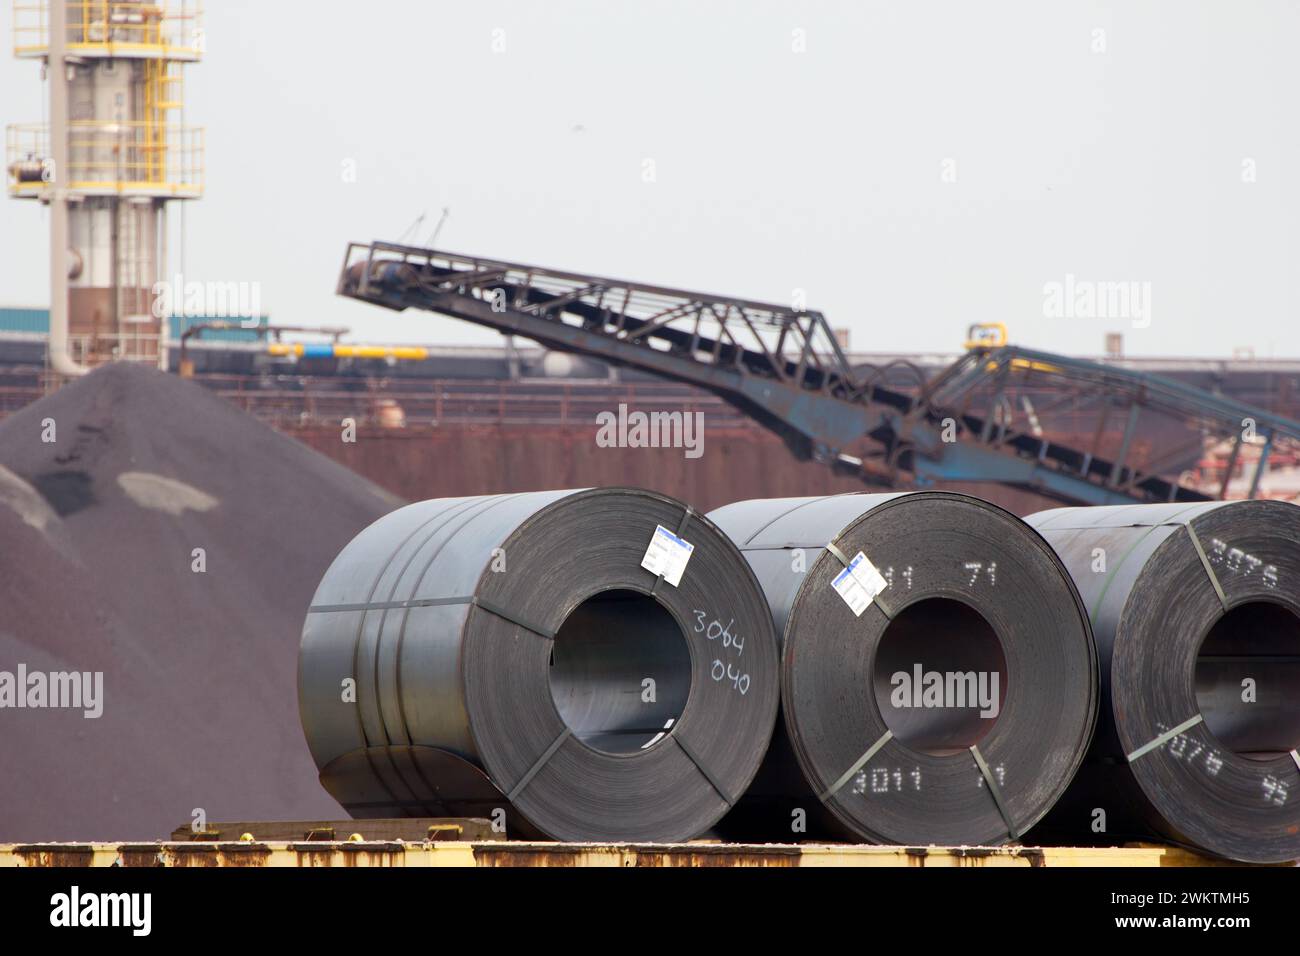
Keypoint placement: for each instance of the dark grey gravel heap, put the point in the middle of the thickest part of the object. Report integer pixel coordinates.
(98, 532)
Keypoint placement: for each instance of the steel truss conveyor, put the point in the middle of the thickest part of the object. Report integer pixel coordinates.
(784, 367)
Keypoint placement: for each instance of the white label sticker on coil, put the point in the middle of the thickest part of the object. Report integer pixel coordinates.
(859, 583)
(667, 555)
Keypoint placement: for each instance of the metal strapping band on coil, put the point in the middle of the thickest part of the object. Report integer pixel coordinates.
(995, 791)
(681, 530)
(857, 765)
(1164, 738)
(847, 562)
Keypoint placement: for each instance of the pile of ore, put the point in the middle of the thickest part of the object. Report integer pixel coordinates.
(155, 534)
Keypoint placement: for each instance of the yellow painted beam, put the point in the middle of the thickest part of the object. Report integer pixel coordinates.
(516, 854)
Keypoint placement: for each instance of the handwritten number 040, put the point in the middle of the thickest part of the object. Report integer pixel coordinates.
(738, 680)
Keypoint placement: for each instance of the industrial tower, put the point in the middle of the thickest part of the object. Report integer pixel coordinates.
(113, 154)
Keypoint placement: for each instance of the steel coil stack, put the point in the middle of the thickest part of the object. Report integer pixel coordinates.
(607, 665)
(599, 665)
(1196, 611)
(939, 683)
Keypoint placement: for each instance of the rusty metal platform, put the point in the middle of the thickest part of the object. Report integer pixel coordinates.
(400, 853)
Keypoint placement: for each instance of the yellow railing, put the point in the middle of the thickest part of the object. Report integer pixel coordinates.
(106, 157)
(114, 28)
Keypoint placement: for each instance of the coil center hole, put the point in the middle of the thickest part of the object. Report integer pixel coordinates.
(1248, 680)
(940, 676)
(620, 672)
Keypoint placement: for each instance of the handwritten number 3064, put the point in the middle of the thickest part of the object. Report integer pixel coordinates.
(714, 629)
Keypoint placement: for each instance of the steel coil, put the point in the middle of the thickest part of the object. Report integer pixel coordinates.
(1196, 611)
(510, 656)
(974, 607)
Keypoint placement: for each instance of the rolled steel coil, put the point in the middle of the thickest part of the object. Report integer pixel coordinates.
(953, 707)
(510, 656)
(1196, 611)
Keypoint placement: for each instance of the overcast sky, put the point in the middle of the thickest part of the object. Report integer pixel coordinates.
(794, 146)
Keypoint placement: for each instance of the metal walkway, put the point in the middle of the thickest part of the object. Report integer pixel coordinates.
(785, 368)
